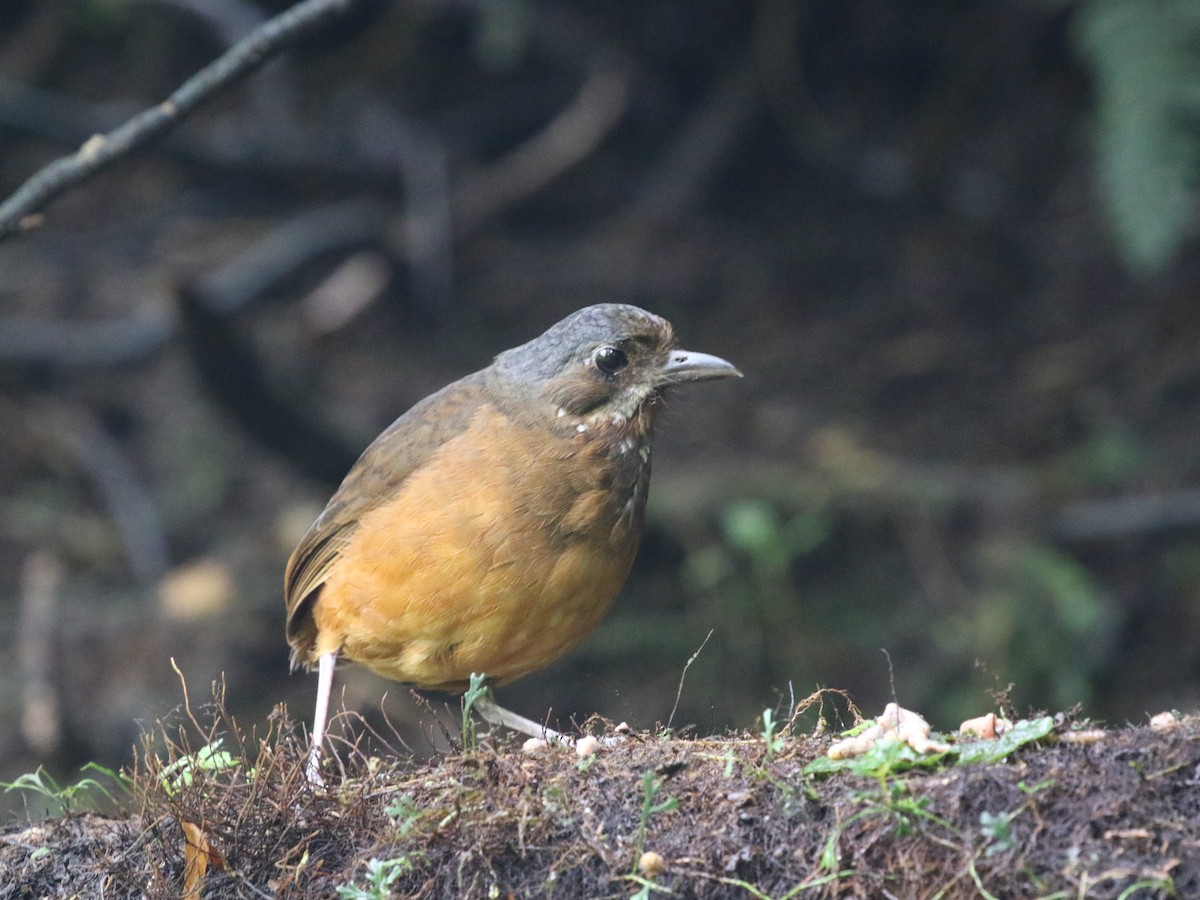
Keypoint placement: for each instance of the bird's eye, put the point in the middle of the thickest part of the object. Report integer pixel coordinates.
(610, 360)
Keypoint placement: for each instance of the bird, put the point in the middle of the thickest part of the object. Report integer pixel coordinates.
(490, 527)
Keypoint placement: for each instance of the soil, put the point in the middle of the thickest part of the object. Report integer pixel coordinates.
(1082, 813)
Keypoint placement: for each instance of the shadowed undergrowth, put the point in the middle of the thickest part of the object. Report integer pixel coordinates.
(218, 811)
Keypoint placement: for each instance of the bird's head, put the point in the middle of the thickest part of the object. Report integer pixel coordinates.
(609, 361)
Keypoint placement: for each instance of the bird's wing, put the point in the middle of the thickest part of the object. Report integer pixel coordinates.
(384, 465)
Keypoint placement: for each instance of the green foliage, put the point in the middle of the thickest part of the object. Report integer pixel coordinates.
(406, 813)
(889, 756)
(209, 758)
(1038, 616)
(1142, 54)
(773, 737)
(648, 888)
(754, 527)
(381, 875)
(476, 691)
(65, 799)
(892, 800)
(997, 830)
(885, 758)
(1110, 456)
(1162, 884)
(998, 749)
(651, 806)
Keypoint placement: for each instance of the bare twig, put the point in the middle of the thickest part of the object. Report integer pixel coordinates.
(17, 213)
(683, 675)
(297, 147)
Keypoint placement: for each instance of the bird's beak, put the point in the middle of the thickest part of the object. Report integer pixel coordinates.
(687, 365)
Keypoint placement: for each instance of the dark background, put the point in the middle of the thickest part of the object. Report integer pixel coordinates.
(967, 431)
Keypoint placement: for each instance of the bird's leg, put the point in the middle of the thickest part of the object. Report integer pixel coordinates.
(324, 687)
(495, 714)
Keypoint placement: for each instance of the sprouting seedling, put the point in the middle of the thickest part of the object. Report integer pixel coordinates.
(43, 784)
(475, 692)
(773, 737)
(209, 758)
(406, 813)
(651, 788)
(381, 875)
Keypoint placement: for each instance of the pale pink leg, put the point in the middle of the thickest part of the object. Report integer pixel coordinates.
(324, 688)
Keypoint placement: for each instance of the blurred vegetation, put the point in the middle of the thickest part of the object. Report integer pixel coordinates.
(1142, 54)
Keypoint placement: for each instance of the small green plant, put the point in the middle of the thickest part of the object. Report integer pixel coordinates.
(651, 806)
(773, 737)
(730, 761)
(61, 797)
(476, 691)
(209, 758)
(406, 814)
(892, 799)
(997, 828)
(557, 804)
(586, 762)
(908, 810)
(1164, 884)
(648, 888)
(381, 875)
(1031, 789)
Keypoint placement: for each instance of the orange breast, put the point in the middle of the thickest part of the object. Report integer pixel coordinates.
(497, 556)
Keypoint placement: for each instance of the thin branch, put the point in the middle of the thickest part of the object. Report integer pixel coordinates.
(17, 213)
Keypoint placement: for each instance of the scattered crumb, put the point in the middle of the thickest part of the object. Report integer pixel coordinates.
(987, 727)
(895, 722)
(1165, 721)
(652, 865)
(1083, 736)
(587, 745)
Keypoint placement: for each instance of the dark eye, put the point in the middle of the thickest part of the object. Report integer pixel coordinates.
(610, 360)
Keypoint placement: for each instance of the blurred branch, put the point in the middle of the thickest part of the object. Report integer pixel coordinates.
(230, 21)
(701, 143)
(27, 342)
(567, 139)
(129, 502)
(301, 148)
(690, 494)
(290, 249)
(229, 364)
(17, 213)
(424, 233)
(37, 621)
(1130, 515)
